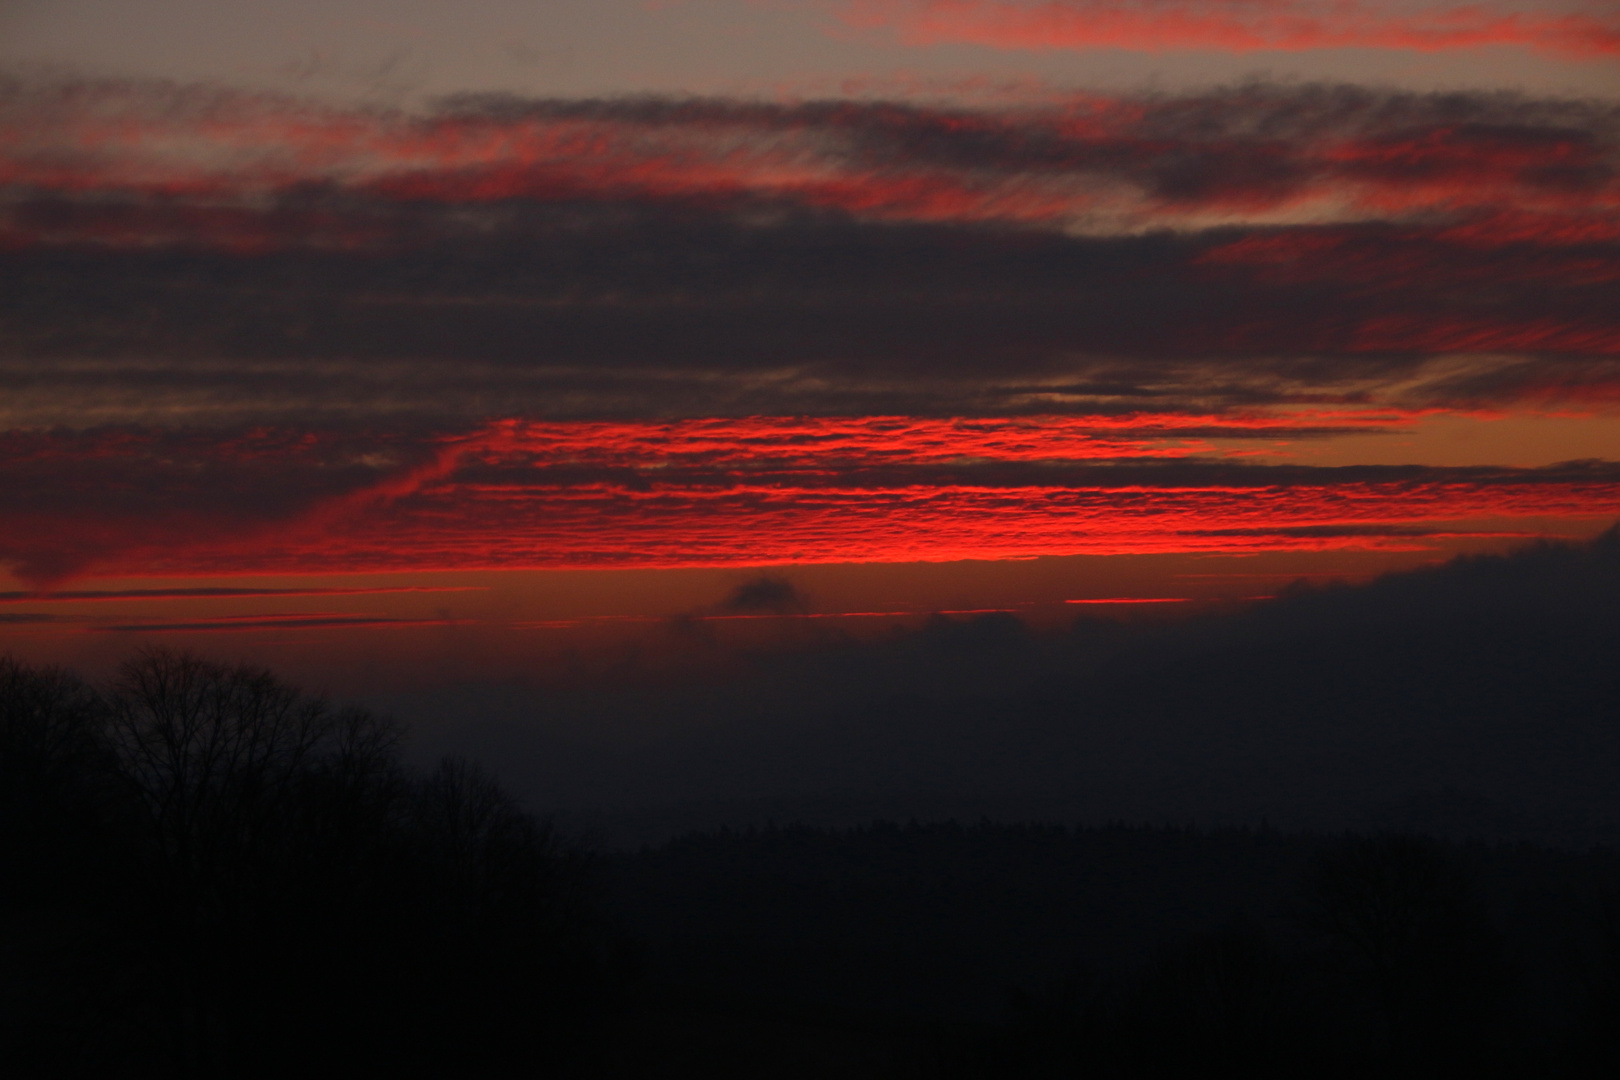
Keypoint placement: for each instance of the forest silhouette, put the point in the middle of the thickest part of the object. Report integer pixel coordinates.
(1028, 950)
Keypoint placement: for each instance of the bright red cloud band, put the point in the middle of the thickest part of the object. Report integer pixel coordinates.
(519, 495)
(1239, 26)
(511, 526)
(840, 443)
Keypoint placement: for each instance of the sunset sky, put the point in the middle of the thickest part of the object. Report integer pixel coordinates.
(384, 339)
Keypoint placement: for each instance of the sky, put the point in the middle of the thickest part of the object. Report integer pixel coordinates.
(398, 343)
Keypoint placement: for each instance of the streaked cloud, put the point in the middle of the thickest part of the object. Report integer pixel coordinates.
(137, 164)
(1242, 26)
(521, 495)
(210, 592)
(193, 255)
(252, 623)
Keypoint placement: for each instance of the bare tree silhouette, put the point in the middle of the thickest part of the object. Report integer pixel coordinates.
(288, 888)
(225, 761)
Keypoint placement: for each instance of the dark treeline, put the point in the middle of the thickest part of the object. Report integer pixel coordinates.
(1042, 951)
(205, 872)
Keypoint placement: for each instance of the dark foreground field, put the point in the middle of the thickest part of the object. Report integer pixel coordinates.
(1023, 950)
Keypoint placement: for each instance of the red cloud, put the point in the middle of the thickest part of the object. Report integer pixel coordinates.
(1395, 257)
(1232, 25)
(795, 519)
(132, 166)
(765, 491)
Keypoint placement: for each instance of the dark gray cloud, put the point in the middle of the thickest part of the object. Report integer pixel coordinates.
(1256, 139)
(912, 270)
(774, 595)
(813, 316)
(67, 500)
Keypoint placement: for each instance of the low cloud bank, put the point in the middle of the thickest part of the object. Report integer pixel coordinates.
(1473, 699)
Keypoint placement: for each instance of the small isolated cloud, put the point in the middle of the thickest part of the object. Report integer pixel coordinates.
(765, 594)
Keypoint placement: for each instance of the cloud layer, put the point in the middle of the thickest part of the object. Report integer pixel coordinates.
(249, 332)
(529, 495)
(183, 254)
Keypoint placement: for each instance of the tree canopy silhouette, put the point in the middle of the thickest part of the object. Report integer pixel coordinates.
(246, 876)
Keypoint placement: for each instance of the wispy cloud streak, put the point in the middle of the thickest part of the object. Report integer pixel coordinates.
(1239, 26)
(137, 164)
(98, 596)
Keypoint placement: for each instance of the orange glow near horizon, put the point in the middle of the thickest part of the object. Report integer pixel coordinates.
(379, 633)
